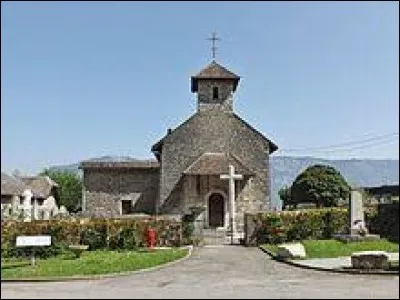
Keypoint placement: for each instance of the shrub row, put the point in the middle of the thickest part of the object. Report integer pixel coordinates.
(110, 234)
(389, 221)
(286, 226)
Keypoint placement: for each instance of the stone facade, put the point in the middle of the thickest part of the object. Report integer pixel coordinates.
(191, 159)
(206, 99)
(216, 131)
(106, 187)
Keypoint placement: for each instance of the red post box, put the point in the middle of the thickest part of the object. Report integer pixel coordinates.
(151, 237)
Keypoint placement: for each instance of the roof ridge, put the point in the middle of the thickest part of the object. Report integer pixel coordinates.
(214, 64)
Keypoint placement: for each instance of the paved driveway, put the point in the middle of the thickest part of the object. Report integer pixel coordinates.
(217, 272)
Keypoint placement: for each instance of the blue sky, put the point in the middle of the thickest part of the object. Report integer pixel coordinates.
(87, 79)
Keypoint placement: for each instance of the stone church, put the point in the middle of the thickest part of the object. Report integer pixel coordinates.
(185, 174)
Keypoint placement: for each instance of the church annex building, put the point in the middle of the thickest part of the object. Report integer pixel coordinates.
(185, 174)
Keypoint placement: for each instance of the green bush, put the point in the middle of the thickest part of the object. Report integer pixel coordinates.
(96, 233)
(306, 224)
(127, 239)
(372, 219)
(93, 238)
(286, 226)
(187, 228)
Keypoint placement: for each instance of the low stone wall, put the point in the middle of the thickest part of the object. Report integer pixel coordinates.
(388, 215)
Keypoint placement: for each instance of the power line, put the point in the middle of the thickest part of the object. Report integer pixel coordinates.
(375, 143)
(330, 148)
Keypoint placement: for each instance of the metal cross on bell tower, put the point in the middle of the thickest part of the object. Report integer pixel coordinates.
(214, 39)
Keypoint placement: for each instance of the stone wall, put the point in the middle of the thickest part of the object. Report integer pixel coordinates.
(205, 99)
(106, 187)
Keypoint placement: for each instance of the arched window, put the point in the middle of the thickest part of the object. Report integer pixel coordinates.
(215, 93)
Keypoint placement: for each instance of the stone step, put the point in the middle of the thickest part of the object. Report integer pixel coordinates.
(213, 236)
(214, 241)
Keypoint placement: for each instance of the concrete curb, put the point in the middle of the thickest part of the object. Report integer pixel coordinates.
(332, 270)
(100, 276)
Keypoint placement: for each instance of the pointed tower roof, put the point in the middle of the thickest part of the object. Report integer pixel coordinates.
(215, 71)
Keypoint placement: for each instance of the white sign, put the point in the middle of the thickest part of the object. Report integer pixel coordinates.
(33, 240)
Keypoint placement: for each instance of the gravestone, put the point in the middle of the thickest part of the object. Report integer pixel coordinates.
(35, 210)
(46, 212)
(358, 228)
(356, 212)
(27, 207)
(63, 212)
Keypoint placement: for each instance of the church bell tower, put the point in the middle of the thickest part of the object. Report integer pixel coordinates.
(214, 85)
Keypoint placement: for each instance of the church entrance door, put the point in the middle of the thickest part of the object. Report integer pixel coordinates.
(216, 210)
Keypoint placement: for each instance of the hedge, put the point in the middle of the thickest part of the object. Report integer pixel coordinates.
(389, 221)
(287, 226)
(96, 233)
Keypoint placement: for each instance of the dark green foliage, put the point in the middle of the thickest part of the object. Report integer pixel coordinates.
(320, 184)
(187, 228)
(127, 239)
(93, 238)
(328, 229)
(388, 221)
(371, 218)
(70, 189)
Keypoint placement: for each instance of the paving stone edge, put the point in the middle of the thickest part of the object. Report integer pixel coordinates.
(359, 272)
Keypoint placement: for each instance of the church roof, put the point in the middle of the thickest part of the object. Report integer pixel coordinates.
(135, 164)
(216, 164)
(157, 147)
(215, 71)
(272, 146)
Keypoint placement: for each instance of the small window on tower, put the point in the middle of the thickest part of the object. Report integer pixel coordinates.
(215, 93)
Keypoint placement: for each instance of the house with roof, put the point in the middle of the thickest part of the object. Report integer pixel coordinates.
(44, 190)
(189, 159)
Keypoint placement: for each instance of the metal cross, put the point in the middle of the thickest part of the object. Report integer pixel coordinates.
(214, 47)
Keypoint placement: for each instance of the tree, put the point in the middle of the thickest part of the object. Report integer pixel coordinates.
(70, 188)
(320, 184)
(285, 195)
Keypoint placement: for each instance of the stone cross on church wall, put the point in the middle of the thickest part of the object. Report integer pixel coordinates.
(232, 177)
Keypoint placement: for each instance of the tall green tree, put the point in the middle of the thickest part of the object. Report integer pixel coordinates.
(70, 188)
(320, 184)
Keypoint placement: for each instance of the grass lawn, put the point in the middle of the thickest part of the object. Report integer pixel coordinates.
(91, 263)
(334, 248)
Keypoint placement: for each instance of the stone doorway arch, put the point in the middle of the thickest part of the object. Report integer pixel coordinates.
(216, 210)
